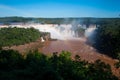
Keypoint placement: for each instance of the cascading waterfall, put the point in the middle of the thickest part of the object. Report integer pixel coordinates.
(61, 32)
(90, 34)
(67, 31)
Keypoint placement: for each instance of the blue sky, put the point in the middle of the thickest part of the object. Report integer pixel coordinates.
(60, 8)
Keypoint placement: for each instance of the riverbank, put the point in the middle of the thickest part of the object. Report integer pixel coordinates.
(76, 47)
(26, 47)
(79, 47)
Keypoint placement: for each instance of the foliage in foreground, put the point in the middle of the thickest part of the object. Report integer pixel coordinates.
(16, 36)
(117, 65)
(37, 66)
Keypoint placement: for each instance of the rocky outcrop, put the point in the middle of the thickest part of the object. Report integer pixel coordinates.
(46, 36)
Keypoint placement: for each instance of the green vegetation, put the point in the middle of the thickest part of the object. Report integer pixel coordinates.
(37, 66)
(117, 64)
(14, 19)
(108, 38)
(82, 20)
(16, 36)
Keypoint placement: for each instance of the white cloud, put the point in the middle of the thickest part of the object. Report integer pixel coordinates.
(14, 11)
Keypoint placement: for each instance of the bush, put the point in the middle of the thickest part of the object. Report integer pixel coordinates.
(16, 36)
(36, 66)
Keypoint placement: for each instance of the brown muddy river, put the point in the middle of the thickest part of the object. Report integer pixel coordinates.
(76, 47)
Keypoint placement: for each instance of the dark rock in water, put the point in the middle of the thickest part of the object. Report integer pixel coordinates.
(53, 39)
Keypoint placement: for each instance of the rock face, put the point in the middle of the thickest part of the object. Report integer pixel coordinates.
(45, 36)
(42, 40)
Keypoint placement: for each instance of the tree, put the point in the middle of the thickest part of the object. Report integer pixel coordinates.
(37, 66)
(117, 64)
(107, 38)
(18, 36)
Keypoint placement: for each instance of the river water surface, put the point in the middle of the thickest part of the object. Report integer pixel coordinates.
(75, 46)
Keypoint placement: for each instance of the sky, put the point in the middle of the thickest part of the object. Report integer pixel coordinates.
(60, 8)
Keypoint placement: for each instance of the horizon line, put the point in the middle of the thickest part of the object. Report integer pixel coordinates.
(56, 17)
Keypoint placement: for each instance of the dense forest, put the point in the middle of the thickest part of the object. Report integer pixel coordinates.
(37, 66)
(16, 36)
(107, 39)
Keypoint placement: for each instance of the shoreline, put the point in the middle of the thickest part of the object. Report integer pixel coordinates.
(76, 47)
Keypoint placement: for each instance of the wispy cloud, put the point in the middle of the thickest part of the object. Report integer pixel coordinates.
(14, 10)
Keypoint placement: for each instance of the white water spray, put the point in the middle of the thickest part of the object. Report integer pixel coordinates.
(61, 32)
(42, 40)
(90, 33)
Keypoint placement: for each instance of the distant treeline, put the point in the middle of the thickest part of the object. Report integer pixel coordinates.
(16, 36)
(37, 66)
(83, 20)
